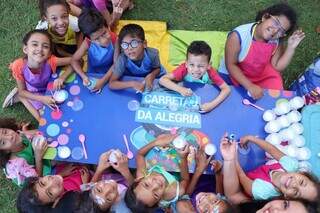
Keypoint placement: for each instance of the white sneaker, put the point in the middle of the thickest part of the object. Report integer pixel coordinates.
(11, 98)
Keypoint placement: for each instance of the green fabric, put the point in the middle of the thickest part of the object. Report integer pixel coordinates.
(204, 79)
(159, 169)
(28, 155)
(180, 39)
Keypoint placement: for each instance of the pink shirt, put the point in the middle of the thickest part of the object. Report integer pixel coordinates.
(180, 72)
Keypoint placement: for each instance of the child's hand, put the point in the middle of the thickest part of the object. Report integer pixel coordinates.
(244, 140)
(98, 85)
(228, 149)
(48, 100)
(164, 139)
(85, 174)
(184, 152)
(122, 163)
(138, 86)
(57, 84)
(202, 161)
(39, 149)
(85, 81)
(104, 161)
(216, 166)
(255, 91)
(185, 91)
(295, 39)
(206, 107)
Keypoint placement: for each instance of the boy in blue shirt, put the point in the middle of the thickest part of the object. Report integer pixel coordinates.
(136, 59)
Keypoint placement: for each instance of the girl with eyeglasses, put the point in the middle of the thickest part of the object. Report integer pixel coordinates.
(255, 54)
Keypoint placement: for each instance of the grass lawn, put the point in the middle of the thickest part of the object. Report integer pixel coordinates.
(17, 17)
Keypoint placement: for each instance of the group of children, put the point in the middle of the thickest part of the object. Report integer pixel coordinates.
(255, 54)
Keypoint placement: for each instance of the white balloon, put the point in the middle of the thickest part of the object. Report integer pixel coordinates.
(283, 121)
(297, 127)
(272, 126)
(269, 115)
(304, 153)
(273, 138)
(287, 134)
(298, 141)
(282, 108)
(292, 150)
(294, 116)
(305, 166)
(296, 102)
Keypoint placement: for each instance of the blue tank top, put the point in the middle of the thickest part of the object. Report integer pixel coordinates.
(144, 69)
(100, 59)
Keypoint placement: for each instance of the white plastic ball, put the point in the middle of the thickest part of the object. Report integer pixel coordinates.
(298, 141)
(210, 149)
(269, 115)
(297, 127)
(272, 127)
(296, 102)
(305, 166)
(292, 150)
(282, 108)
(304, 153)
(283, 121)
(273, 138)
(294, 116)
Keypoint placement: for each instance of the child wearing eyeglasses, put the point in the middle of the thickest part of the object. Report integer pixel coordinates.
(99, 44)
(136, 59)
(255, 54)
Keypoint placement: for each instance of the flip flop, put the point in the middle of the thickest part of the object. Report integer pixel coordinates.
(11, 98)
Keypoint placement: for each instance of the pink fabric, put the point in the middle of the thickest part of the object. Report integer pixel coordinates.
(257, 66)
(263, 172)
(100, 4)
(19, 169)
(71, 182)
(180, 72)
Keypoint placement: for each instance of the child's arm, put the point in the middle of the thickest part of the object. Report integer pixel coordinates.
(217, 167)
(24, 93)
(102, 81)
(271, 149)
(168, 81)
(224, 92)
(116, 84)
(162, 140)
(74, 10)
(102, 166)
(150, 78)
(245, 181)
(75, 61)
(122, 167)
(232, 51)
(282, 57)
(39, 149)
(184, 172)
(58, 83)
(201, 164)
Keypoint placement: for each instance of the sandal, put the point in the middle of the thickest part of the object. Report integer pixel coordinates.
(11, 98)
